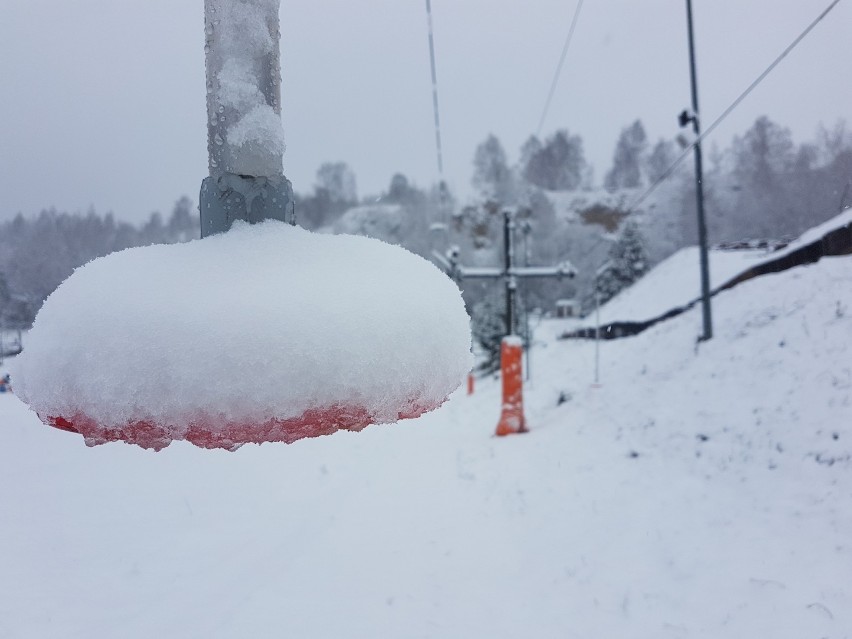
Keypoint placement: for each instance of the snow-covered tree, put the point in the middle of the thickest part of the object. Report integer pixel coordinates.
(492, 176)
(37, 254)
(488, 325)
(627, 161)
(662, 156)
(763, 154)
(338, 180)
(400, 189)
(628, 261)
(183, 224)
(334, 192)
(557, 165)
(529, 149)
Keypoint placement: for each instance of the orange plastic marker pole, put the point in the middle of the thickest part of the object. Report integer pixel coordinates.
(470, 383)
(512, 416)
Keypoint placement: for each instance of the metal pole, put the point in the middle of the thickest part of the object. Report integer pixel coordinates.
(699, 188)
(597, 333)
(511, 284)
(245, 141)
(527, 229)
(442, 185)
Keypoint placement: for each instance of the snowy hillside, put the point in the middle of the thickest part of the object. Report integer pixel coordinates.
(675, 281)
(698, 492)
(381, 221)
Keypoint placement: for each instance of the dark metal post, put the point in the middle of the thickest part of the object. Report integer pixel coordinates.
(597, 333)
(526, 229)
(511, 284)
(699, 188)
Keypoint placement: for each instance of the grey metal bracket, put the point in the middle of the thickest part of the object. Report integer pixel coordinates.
(229, 197)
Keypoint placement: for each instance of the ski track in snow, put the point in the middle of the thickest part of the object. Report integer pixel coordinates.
(699, 492)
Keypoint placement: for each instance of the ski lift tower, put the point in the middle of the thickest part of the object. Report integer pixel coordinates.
(511, 349)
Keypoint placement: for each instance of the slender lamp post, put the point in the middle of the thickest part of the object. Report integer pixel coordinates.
(685, 118)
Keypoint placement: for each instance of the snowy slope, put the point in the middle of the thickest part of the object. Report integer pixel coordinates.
(676, 281)
(694, 494)
(381, 221)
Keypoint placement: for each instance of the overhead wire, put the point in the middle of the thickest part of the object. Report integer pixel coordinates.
(665, 175)
(556, 75)
(442, 186)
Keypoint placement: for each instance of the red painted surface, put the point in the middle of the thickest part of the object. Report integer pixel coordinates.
(511, 371)
(211, 432)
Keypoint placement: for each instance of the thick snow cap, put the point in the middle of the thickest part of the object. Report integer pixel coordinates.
(264, 333)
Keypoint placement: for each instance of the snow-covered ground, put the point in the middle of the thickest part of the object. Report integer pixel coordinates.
(698, 492)
(677, 283)
(676, 280)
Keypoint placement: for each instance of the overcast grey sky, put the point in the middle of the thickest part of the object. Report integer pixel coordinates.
(103, 100)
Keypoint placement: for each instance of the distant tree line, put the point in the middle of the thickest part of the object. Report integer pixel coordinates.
(37, 254)
(761, 186)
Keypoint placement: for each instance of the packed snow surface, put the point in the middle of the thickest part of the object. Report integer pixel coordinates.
(265, 322)
(699, 492)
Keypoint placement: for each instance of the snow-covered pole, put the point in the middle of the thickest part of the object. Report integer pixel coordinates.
(245, 139)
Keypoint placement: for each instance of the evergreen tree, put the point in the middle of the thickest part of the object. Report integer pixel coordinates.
(37, 254)
(557, 165)
(492, 176)
(338, 180)
(661, 158)
(628, 261)
(488, 325)
(529, 150)
(400, 190)
(626, 171)
(334, 192)
(184, 224)
(764, 154)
